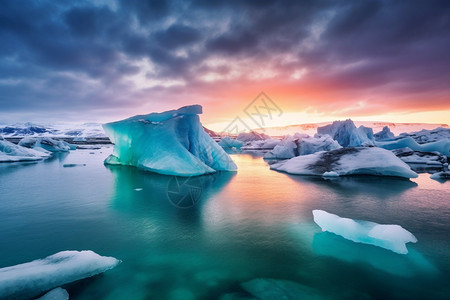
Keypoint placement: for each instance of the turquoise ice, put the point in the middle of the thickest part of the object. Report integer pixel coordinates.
(172, 143)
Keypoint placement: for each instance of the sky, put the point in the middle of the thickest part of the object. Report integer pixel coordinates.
(317, 60)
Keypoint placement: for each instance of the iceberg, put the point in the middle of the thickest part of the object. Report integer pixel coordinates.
(34, 278)
(384, 135)
(170, 143)
(428, 136)
(347, 161)
(46, 143)
(442, 146)
(251, 136)
(285, 149)
(10, 152)
(391, 237)
(312, 145)
(444, 175)
(421, 160)
(299, 144)
(347, 135)
(227, 143)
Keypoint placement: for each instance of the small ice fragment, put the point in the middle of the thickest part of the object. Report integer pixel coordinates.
(391, 237)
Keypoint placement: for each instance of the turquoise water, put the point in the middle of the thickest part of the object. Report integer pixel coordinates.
(202, 238)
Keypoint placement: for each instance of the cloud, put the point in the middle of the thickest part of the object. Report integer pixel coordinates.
(131, 57)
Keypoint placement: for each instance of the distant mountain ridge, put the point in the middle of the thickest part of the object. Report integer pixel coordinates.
(311, 128)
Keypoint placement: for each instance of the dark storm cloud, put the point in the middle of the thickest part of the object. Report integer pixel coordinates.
(59, 55)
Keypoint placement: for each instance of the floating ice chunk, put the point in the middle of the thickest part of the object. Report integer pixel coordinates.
(384, 135)
(46, 143)
(330, 174)
(227, 142)
(347, 161)
(391, 237)
(55, 294)
(347, 135)
(312, 145)
(441, 146)
(33, 278)
(175, 145)
(10, 152)
(270, 289)
(428, 136)
(445, 175)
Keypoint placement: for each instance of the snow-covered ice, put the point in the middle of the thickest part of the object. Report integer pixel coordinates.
(300, 144)
(55, 294)
(312, 145)
(46, 143)
(10, 152)
(418, 157)
(346, 133)
(90, 130)
(391, 237)
(444, 175)
(442, 146)
(286, 148)
(36, 277)
(330, 174)
(428, 135)
(384, 135)
(347, 161)
(171, 143)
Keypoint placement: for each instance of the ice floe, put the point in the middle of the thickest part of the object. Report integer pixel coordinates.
(10, 152)
(442, 146)
(391, 237)
(36, 277)
(384, 135)
(46, 143)
(346, 133)
(347, 161)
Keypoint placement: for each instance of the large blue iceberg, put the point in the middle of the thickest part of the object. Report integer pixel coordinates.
(391, 237)
(347, 134)
(172, 143)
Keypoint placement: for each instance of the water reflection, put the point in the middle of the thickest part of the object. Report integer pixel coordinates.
(413, 263)
(137, 190)
(376, 186)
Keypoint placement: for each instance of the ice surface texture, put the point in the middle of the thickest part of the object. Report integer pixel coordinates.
(10, 152)
(171, 143)
(384, 135)
(347, 161)
(347, 135)
(442, 146)
(33, 278)
(391, 237)
(46, 143)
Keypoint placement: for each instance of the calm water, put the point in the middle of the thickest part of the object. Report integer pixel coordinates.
(202, 242)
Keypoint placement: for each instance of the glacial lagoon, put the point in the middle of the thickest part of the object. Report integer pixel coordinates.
(203, 237)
